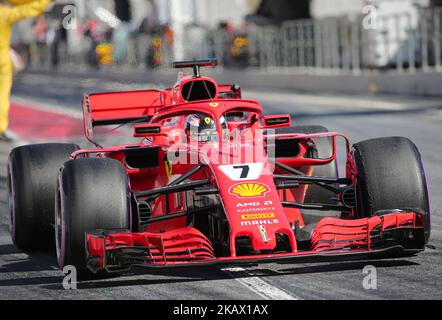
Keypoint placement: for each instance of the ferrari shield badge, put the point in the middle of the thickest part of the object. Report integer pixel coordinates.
(168, 165)
(263, 232)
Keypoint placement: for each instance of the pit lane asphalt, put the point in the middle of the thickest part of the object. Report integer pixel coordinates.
(36, 276)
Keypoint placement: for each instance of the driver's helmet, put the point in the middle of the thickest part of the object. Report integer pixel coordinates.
(203, 128)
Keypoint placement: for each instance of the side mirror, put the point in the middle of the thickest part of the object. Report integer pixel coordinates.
(147, 130)
(277, 121)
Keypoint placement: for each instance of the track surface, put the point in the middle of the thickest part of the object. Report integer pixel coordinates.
(36, 276)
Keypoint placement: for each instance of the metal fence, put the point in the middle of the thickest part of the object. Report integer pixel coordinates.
(402, 42)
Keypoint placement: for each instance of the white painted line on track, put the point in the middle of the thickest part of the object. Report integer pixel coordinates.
(16, 140)
(45, 106)
(258, 285)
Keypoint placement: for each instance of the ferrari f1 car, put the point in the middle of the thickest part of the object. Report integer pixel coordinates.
(213, 181)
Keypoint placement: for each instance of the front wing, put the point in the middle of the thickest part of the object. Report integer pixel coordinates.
(332, 239)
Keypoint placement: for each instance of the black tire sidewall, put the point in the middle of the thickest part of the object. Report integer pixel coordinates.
(32, 176)
(390, 176)
(94, 195)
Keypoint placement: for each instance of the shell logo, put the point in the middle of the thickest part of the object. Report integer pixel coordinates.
(249, 190)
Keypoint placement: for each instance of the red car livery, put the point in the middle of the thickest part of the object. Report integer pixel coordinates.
(212, 180)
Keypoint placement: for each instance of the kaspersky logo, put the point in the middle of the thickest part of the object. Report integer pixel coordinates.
(244, 190)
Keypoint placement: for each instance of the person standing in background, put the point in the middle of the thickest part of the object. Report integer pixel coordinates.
(12, 11)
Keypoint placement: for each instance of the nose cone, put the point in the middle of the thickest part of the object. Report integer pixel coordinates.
(252, 205)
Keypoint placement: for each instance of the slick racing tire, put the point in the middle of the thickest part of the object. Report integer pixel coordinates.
(316, 194)
(32, 178)
(92, 194)
(391, 176)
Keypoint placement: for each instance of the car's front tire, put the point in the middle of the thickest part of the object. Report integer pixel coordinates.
(92, 194)
(391, 176)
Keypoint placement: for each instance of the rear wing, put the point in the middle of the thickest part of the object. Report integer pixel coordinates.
(116, 108)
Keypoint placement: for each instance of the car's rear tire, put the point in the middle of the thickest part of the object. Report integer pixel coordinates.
(391, 176)
(32, 177)
(92, 194)
(316, 194)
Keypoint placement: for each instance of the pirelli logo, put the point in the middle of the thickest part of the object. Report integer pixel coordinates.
(257, 216)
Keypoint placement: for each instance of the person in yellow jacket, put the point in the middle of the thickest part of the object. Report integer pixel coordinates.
(12, 11)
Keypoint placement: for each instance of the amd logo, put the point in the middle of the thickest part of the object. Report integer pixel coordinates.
(254, 204)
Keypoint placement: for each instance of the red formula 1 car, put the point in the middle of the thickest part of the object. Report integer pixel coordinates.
(213, 181)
